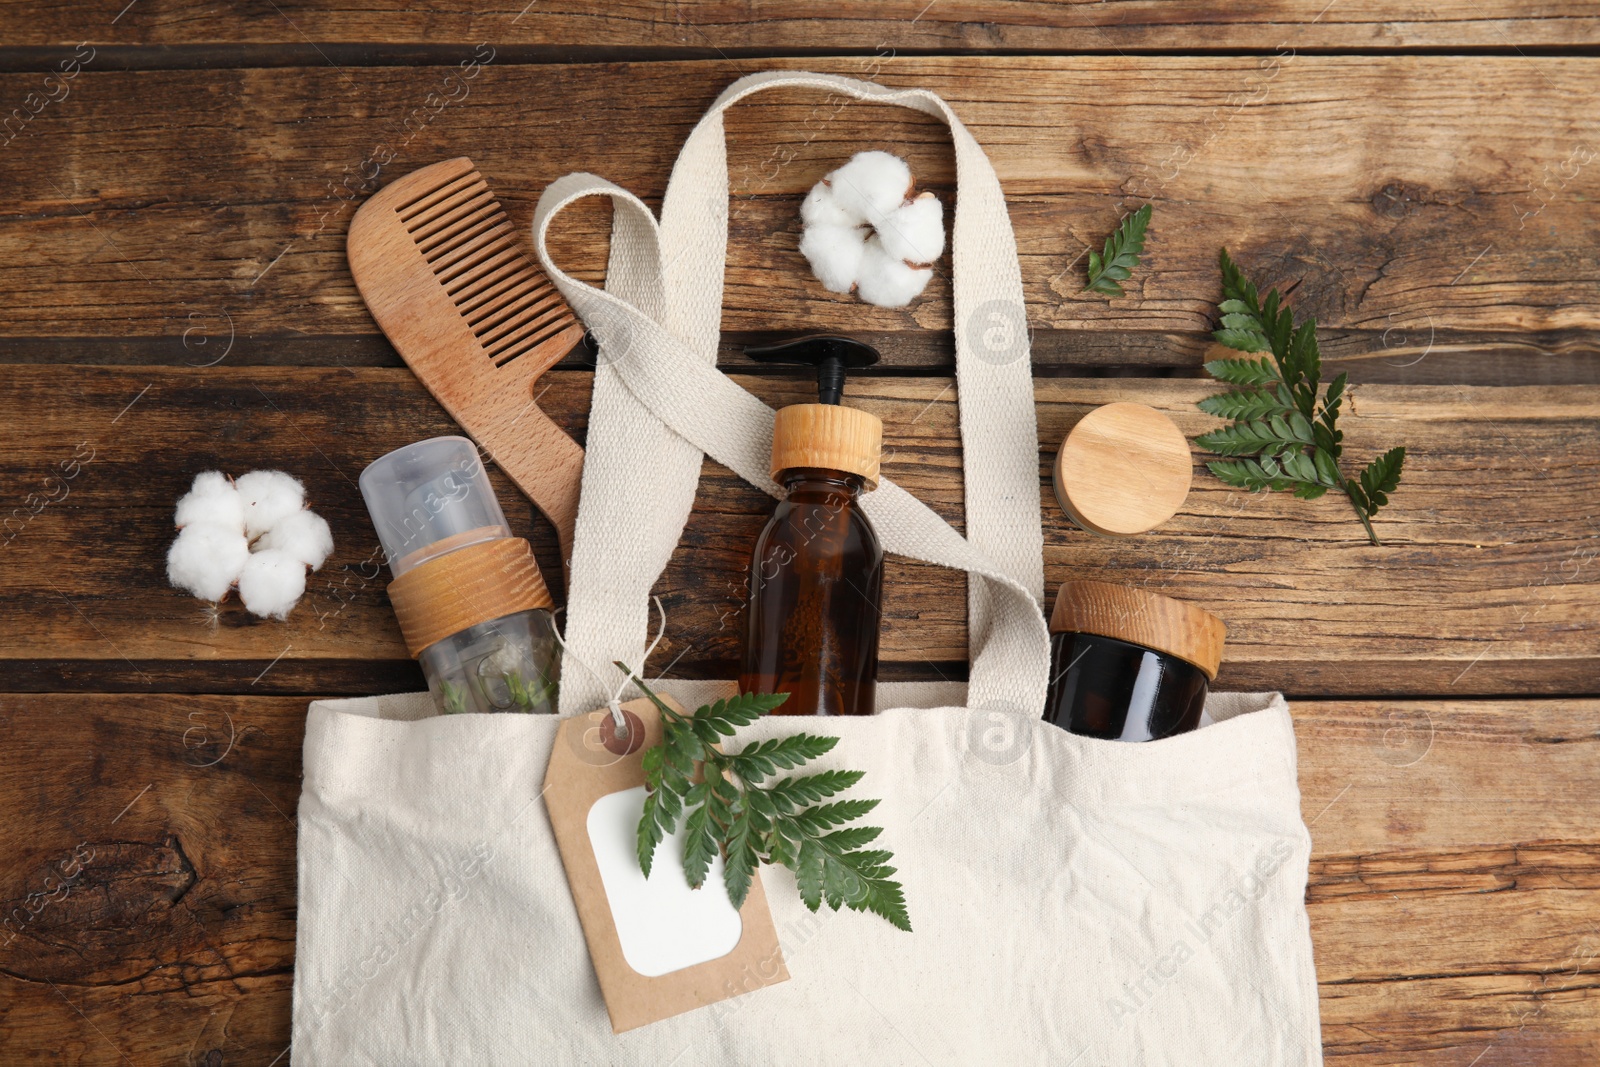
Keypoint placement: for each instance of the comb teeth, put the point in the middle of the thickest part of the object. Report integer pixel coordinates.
(464, 234)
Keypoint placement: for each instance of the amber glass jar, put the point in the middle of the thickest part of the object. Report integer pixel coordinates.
(1127, 664)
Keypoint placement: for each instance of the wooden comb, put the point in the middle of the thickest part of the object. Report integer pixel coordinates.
(475, 318)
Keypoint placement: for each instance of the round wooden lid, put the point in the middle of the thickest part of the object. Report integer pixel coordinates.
(1141, 617)
(1124, 469)
(830, 436)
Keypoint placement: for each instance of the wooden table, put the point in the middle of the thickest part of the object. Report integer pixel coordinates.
(1423, 174)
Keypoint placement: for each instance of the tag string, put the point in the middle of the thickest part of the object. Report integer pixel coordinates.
(615, 700)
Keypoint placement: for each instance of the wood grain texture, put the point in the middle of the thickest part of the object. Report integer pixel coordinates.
(1511, 976)
(1123, 469)
(1135, 614)
(176, 940)
(179, 209)
(828, 436)
(1445, 236)
(178, 937)
(723, 25)
(1486, 582)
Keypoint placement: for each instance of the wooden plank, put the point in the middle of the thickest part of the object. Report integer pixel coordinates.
(1450, 777)
(1472, 934)
(725, 26)
(1446, 927)
(1486, 583)
(1437, 239)
(177, 937)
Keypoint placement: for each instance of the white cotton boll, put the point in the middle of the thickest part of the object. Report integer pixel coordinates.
(212, 498)
(914, 231)
(271, 583)
(871, 185)
(886, 280)
(303, 535)
(834, 253)
(884, 252)
(269, 496)
(820, 208)
(207, 558)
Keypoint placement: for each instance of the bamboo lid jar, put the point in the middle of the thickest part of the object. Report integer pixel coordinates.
(1127, 664)
(472, 605)
(1140, 617)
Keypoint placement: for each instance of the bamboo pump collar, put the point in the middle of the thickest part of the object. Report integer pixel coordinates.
(827, 434)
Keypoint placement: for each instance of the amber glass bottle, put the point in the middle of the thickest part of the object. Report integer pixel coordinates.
(816, 573)
(816, 581)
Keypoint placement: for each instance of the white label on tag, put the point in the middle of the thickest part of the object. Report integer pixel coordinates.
(664, 926)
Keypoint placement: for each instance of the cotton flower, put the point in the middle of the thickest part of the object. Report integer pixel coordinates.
(835, 253)
(271, 583)
(821, 208)
(870, 186)
(863, 233)
(914, 231)
(269, 496)
(303, 535)
(212, 498)
(207, 558)
(887, 281)
(255, 532)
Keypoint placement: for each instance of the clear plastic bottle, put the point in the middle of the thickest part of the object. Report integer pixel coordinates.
(471, 603)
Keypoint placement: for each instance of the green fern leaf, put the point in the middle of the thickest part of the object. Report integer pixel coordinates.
(699, 845)
(1116, 261)
(762, 760)
(1382, 477)
(825, 817)
(1249, 372)
(1235, 286)
(738, 860)
(650, 834)
(1282, 436)
(814, 787)
(808, 875)
(1242, 340)
(727, 715)
(1243, 404)
(728, 810)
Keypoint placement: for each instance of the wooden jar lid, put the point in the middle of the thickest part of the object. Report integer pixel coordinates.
(1141, 617)
(475, 584)
(830, 436)
(1124, 469)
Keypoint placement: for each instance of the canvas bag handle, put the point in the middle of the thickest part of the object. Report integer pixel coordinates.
(659, 403)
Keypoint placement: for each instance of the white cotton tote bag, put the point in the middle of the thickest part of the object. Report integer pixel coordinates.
(1074, 901)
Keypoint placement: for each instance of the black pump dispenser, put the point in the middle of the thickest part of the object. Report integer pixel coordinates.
(832, 356)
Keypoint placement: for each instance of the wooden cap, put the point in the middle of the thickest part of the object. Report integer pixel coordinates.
(475, 584)
(830, 436)
(1124, 469)
(1141, 617)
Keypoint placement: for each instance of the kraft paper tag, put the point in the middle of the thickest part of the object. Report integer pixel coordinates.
(659, 948)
